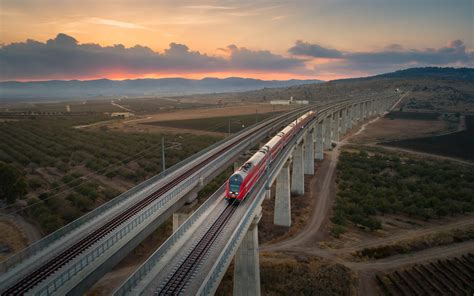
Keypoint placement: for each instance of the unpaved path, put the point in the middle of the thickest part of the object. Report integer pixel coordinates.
(30, 231)
(121, 107)
(323, 203)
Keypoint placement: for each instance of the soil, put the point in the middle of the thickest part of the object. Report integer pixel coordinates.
(386, 129)
(139, 124)
(314, 240)
(12, 239)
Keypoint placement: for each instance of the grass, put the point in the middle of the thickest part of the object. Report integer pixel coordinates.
(417, 244)
(460, 144)
(298, 275)
(413, 115)
(216, 124)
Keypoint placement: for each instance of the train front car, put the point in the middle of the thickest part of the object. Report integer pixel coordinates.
(242, 181)
(234, 184)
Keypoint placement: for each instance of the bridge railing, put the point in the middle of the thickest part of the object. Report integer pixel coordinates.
(142, 187)
(132, 224)
(146, 267)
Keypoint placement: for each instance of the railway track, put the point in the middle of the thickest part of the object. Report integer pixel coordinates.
(176, 283)
(41, 273)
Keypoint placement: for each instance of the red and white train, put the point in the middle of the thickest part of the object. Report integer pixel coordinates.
(243, 179)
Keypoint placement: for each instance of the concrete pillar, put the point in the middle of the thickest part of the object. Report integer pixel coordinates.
(282, 214)
(343, 120)
(319, 141)
(327, 132)
(350, 122)
(297, 176)
(247, 265)
(183, 214)
(178, 219)
(268, 193)
(348, 119)
(309, 153)
(335, 129)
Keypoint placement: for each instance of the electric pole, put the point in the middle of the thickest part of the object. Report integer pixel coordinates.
(163, 153)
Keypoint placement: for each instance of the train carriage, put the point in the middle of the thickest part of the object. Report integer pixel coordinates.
(243, 179)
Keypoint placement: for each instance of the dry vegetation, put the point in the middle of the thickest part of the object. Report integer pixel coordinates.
(297, 275)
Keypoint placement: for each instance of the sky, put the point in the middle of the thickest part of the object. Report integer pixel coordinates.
(304, 39)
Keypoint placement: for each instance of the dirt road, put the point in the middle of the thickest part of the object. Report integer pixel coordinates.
(324, 201)
(306, 242)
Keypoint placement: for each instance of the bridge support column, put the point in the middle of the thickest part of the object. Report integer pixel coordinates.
(350, 120)
(335, 126)
(297, 177)
(309, 153)
(319, 141)
(182, 214)
(247, 265)
(282, 213)
(342, 122)
(327, 132)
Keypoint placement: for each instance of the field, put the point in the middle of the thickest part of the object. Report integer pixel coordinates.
(225, 124)
(374, 183)
(74, 170)
(296, 275)
(413, 115)
(454, 276)
(153, 123)
(459, 144)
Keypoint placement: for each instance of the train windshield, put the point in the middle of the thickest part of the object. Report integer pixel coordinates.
(235, 182)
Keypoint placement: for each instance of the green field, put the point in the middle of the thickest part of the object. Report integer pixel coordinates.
(225, 124)
(378, 183)
(460, 144)
(75, 170)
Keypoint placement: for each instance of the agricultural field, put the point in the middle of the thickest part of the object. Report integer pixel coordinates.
(224, 124)
(459, 144)
(296, 275)
(70, 171)
(453, 276)
(373, 183)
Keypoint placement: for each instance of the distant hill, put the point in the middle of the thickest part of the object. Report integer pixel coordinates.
(463, 74)
(69, 89)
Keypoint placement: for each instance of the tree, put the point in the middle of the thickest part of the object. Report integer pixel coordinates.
(12, 183)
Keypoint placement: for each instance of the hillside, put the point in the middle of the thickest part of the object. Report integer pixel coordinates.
(62, 89)
(460, 74)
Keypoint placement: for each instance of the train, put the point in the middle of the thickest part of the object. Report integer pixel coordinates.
(243, 179)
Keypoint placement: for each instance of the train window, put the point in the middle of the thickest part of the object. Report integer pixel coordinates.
(235, 183)
(247, 166)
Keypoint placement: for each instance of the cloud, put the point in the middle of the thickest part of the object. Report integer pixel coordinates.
(114, 23)
(243, 58)
(392, 57)
(64, 57)
(314, 50)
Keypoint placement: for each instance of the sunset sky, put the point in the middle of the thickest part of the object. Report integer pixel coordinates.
(321, 39)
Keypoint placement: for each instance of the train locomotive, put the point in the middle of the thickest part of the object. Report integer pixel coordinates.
(242, 180)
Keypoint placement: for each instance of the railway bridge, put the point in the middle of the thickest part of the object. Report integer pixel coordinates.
(195, 257)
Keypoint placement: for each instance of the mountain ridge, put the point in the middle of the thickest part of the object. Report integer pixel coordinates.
(69, 89)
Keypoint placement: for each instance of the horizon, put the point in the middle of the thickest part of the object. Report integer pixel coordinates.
(267, 40)
(224, 78)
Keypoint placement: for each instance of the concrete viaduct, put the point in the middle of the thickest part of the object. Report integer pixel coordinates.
(71, 259)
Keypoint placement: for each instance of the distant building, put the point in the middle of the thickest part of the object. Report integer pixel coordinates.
(291, 101)
(121, 114)
(279, 102)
